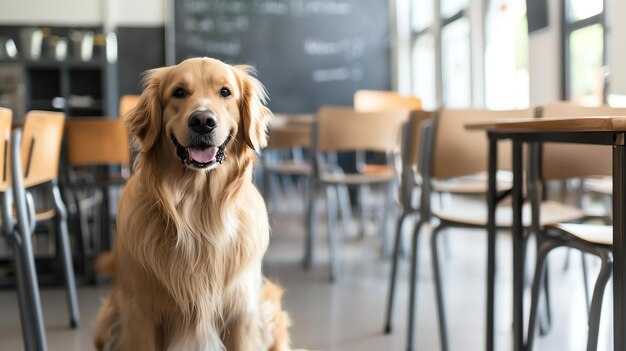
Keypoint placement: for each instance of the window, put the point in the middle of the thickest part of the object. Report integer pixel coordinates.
(444, 33)
(585, 58)
(424, 76)
(506, 55)
(423, 56)
(455, 64)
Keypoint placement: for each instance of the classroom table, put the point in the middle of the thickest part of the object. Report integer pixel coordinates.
(580, 130)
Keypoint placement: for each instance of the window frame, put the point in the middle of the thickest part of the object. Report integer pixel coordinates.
(567, 28)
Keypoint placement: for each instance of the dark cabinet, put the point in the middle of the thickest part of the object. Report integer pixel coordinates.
(78, 88)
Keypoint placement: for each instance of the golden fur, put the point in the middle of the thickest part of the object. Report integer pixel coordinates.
(187, 256)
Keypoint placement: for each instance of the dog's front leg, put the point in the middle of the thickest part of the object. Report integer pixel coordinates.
(244, 332)
(139, 331)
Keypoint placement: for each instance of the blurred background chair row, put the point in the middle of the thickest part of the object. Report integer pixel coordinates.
(428, 166)
(49, 162)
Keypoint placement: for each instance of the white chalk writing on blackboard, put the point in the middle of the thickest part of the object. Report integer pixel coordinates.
(351, 48)
(320, 7)
(213, 47)
(354, 73)
(221, 6)
(272, 7)
(236, 24)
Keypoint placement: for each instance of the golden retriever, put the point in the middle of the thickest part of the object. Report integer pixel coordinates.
(191, 227)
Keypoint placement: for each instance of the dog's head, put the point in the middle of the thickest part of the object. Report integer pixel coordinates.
(197, 109)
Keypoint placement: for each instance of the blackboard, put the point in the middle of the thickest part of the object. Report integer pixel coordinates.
(308, 53)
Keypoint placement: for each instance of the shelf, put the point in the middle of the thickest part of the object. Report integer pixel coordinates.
(48, 63)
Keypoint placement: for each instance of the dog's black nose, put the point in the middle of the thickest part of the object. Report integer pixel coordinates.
(203, 122)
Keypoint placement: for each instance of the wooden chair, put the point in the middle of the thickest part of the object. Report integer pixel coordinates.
(128, 102)
(98, 157)
(19, 236)
(458, 152)
(376, 101)
(415, 141)
(341, 130)
(574, 161)
(40, 155)
(94, 146)
(380, 100)
(289, 138)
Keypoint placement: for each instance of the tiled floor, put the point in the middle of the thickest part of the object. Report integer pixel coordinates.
(347, 316)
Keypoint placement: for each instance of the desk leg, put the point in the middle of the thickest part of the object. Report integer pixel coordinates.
(491, 241)
(518, 252)
(619, 246)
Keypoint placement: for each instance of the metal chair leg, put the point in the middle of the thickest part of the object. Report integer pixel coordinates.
(394, 272)
(23, 249)
(566, 263)
(385, 235)
(311, 221)
(331, 216)
(66, 256)
(596, 302)
(24, 307)
(543, 249)
(413, 285)
(545, 324)
(585, 280)
(362, 194)
(443, 332)
(346, 209)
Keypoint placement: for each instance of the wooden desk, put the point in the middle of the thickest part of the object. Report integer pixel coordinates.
(582, 130)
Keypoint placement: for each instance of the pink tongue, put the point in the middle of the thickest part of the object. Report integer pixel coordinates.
(203, 155)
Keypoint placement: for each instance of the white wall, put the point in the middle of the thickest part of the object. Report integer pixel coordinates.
(82, 12)
(75, 12)
(140, 12)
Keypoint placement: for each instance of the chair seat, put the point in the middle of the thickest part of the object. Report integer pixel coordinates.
(357, 178)
(44, 215)
(377, 169)
(552, 212)
(599, 185)
(474, 184)
(596, 234)
(290, 168)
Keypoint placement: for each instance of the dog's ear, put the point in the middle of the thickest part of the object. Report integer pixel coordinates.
(254, 114)
(144, 120)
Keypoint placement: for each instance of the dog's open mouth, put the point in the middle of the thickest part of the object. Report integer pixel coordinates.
(201, 156)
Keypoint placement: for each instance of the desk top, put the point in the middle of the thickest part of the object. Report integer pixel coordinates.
(555, 124)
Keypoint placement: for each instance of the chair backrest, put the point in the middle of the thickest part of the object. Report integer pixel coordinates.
(344, 129)
(127, 102)
(412, 144)
(97, 141)
(564, 161)
(41, 146)
(290, 131)
(6, 118)
(379, 100)
(459, 151)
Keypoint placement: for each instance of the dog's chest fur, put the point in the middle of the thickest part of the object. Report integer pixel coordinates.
(203, 251)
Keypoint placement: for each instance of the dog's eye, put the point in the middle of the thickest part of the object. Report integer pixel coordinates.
(179, 93)
(225, 92)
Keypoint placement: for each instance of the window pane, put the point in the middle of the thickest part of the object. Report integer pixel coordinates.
(422, 14)
(581, 9)
(455, 46)
(586, 78)
(450, 8)
(506, 55)
(424, 71)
